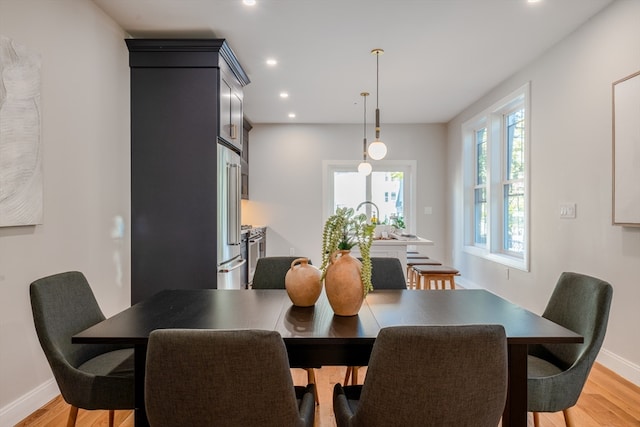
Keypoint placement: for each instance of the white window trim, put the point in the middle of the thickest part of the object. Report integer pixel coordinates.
(492, 119)
(406, 166)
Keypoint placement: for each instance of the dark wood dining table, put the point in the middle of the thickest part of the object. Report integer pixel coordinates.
(314, 336)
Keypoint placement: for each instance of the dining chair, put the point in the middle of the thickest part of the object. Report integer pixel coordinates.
(239, 378)
(89, 376)
(557, 372)
(386, 273)
(270, 273)
(429, 376)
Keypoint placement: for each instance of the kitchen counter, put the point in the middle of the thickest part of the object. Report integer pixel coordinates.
(394, 248)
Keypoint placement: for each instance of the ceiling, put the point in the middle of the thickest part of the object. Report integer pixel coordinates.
(440, 55)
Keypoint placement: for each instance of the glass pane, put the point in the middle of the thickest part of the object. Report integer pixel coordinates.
(515, 145)
(349, 189)
(480, 218)
(481, 156)
(387, 192)
(514, 218)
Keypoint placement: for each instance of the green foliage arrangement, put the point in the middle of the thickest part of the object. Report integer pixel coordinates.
(342, 231)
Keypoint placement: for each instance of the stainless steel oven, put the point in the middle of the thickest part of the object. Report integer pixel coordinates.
(256, 249)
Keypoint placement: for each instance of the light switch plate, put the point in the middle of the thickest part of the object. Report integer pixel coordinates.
(567, 210)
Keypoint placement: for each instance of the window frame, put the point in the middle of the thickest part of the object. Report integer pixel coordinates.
(494, 120)
(409, 167)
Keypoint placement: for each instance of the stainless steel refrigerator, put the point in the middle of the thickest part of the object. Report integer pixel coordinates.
(230, 259)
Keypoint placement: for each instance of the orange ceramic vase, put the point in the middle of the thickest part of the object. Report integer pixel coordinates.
(303, 282)
(343, 284)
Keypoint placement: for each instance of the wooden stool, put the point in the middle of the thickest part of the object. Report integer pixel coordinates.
(435, 276)
(418, 260)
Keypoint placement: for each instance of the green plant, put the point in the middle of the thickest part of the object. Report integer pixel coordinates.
(398, 222)
(342, 231)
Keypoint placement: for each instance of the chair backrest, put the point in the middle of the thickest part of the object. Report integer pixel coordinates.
(63, 305)
(271, 271)
(212, 377)
(387, 273)
(580, 303)
(436, 376)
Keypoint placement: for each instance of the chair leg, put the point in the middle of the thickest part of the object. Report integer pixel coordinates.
(311, 379)
(347, 375)
(73, 415)
(111, 417)
(568, 419)
(536, 419)
(354, 375)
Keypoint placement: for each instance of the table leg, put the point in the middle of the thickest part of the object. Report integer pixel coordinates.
(140, 361)
(515, 410)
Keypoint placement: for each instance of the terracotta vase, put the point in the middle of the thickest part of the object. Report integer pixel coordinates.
(343, 284)
(303, 282)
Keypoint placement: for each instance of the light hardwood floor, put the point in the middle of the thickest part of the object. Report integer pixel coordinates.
(607, 400)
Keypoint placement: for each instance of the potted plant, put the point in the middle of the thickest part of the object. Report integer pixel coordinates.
(346, 278)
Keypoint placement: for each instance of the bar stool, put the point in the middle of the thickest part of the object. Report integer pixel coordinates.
(435, 276)
(417, 260)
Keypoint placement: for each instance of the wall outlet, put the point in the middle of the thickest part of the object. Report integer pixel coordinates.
(567, 210)
(292, 251)
(428, 210)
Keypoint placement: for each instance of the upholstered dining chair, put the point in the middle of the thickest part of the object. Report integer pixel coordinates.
(270, 274)
(462, 384)
(557, 372)
(386, 273)
(89, 376)
(239, 378)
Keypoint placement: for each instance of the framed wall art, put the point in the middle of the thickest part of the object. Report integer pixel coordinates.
(626, 151)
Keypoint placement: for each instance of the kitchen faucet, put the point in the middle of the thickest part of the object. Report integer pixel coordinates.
(374, 219)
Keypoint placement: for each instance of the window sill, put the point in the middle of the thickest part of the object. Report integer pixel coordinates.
(509, 261)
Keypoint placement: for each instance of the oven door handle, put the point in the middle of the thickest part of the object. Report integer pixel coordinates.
(256, 239)
(227, 268)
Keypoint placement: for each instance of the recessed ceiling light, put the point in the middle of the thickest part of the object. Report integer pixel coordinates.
(249, 2)
(284, 95)
(292, 115)
(272, 62)
(534, 1)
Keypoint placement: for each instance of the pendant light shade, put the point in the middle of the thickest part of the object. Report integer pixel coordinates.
(364, 167)
(377, 150)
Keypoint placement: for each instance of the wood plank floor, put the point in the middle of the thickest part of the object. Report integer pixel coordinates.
(606, 401)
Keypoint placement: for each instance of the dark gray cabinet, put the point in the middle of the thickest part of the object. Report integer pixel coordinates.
(177, 116)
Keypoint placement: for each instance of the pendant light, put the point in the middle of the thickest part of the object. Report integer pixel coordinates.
(364, 167)
(377, 149)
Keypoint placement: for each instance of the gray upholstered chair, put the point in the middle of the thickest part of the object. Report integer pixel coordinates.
(429, 376)
(269, 274)
(386, 273)
(557, 372)
(197, 377)
(89, 376)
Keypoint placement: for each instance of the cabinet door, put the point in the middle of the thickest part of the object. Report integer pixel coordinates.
(225, 110)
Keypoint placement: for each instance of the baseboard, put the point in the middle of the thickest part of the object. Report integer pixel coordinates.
(21, 408)
(626, 369)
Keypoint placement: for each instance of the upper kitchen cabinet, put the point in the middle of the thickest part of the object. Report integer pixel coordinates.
(186, 98)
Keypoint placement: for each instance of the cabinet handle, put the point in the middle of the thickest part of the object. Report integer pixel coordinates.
(234, 131)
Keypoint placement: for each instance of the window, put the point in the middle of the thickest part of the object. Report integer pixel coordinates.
(496, 180)
(389, 186)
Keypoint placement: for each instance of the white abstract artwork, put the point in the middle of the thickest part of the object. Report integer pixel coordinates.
(21, 179)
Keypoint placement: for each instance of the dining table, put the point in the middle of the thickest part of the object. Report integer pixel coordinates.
(315, 337)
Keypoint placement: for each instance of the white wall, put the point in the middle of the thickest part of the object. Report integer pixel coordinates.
(285, 183)
(570, 162)
(85, 137)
